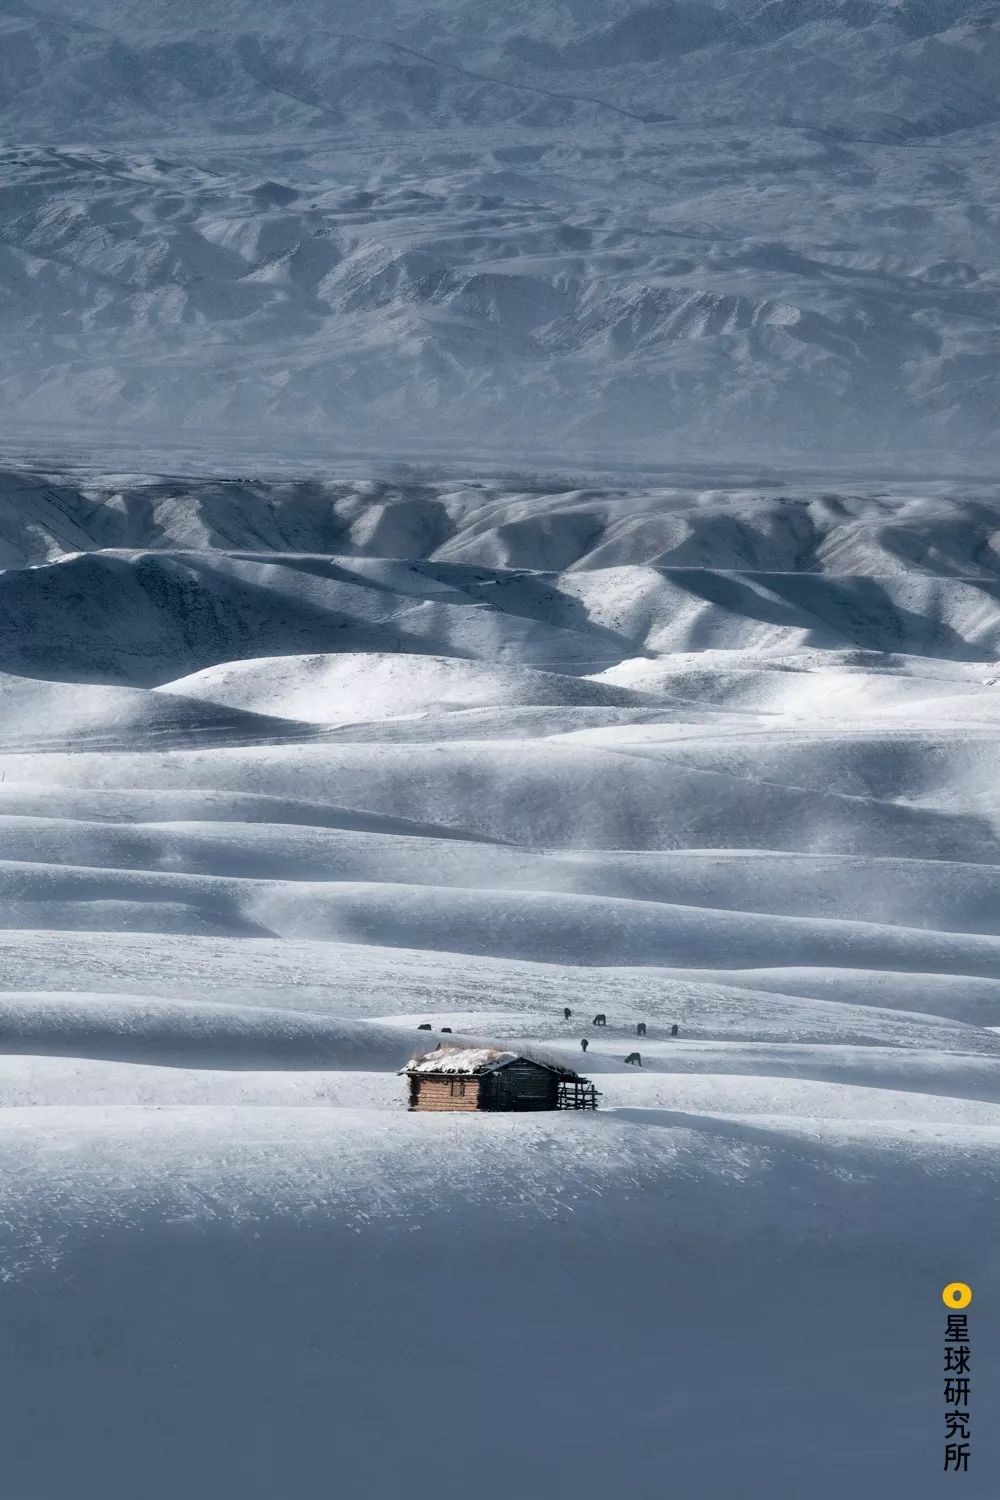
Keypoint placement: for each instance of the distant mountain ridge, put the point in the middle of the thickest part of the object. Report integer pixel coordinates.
(685, 229)
(121, 71)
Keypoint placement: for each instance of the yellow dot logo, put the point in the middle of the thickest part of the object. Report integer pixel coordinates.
(956, 1294)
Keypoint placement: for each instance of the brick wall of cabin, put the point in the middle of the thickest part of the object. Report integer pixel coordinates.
(435, 1093)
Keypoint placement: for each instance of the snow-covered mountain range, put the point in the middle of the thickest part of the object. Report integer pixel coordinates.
(679, 229)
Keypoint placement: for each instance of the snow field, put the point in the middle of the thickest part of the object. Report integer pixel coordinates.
(249, 843)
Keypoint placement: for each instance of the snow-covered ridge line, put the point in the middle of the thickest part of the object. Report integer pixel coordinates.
(795, 525)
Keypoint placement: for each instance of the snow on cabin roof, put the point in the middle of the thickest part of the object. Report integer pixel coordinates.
(474, 1060)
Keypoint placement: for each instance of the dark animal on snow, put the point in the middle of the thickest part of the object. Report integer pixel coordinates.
(634, 1057)
(424, 1026)
(584, 1043)
(640, 1030)
(566, 1012)
(445, 1028)
(600, 1019)
(674, 1030)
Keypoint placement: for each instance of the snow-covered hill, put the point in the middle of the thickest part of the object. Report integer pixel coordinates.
(292, 767)
(673, 228)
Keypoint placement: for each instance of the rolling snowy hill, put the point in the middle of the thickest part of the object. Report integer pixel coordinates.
(289, 768)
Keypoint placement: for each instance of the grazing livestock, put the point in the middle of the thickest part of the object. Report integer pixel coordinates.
(600, 1019)
(445, 1028)
(674, 1030)
(566, 1012)
(584, 1043)
(424, 1026)
(640, 1030)
(634, 1057)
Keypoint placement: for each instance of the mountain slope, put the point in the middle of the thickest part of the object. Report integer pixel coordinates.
(666, 229)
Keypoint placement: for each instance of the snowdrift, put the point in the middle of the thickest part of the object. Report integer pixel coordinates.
(198, 1034)
(336, 688)
(287, 1261)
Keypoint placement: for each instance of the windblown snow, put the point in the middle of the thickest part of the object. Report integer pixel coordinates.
(291, 768)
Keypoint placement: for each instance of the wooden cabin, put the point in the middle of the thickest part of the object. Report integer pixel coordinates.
(474, 1078)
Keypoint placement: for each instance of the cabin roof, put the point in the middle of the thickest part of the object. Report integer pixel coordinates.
(477, 1060)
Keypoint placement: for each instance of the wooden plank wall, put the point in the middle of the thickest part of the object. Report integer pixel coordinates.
(521, 1086)
(435, 1093)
